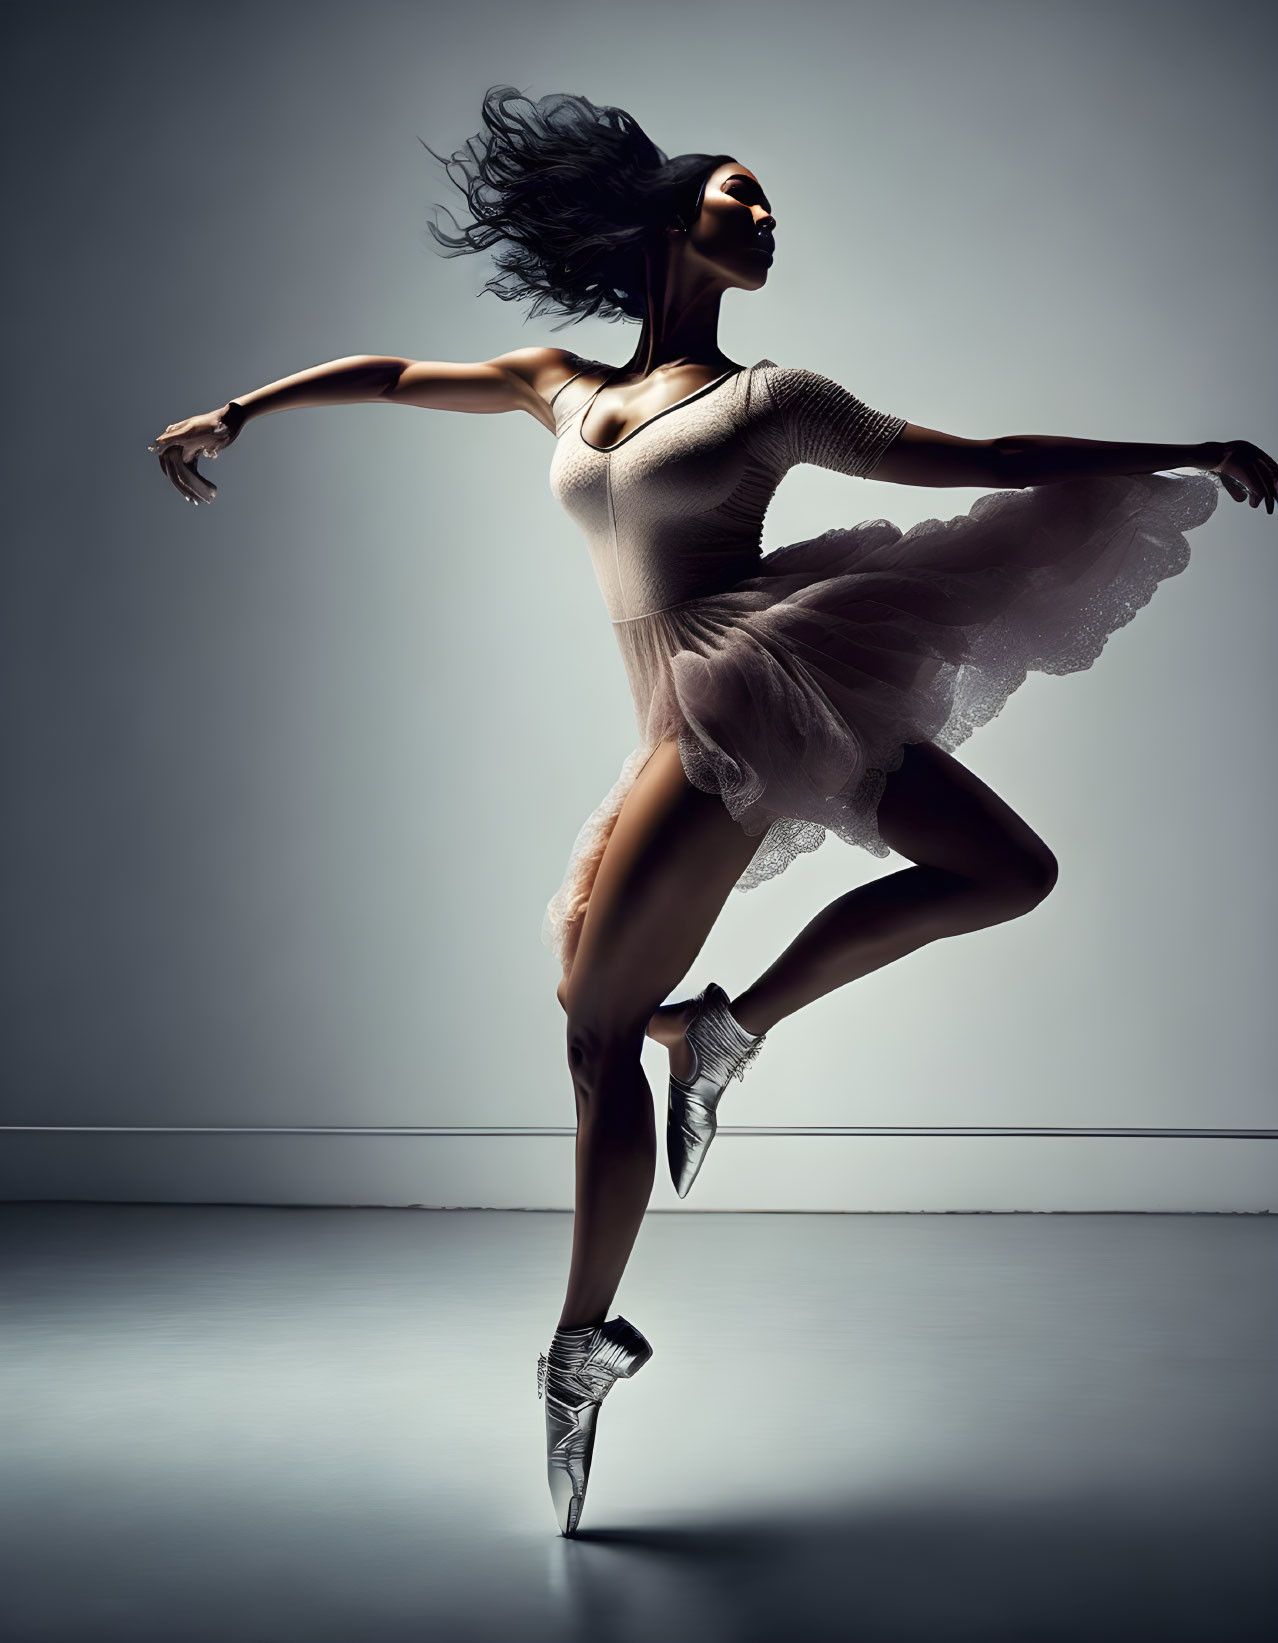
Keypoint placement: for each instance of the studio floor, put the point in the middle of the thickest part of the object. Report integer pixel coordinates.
(266, 1425)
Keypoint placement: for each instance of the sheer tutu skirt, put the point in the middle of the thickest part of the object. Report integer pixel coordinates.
(793, 694)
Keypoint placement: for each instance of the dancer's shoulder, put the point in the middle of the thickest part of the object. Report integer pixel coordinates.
(547, 370)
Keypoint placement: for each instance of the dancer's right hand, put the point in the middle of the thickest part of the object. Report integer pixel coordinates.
(205, 435)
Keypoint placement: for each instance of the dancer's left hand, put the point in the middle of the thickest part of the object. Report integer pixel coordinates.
(1248, 473)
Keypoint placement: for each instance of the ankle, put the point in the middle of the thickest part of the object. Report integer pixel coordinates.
(748, 1016)
(575, 1326)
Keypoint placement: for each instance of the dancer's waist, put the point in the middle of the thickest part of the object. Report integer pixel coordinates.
(724, 577)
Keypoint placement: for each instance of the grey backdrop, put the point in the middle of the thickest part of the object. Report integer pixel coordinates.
(290, 779)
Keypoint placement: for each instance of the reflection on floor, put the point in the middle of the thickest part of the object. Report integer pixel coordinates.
(268, 1425)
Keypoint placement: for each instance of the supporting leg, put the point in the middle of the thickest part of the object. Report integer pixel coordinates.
(615, 1168)
(670, 863)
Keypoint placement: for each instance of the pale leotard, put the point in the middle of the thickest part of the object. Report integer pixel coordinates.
(793, 681)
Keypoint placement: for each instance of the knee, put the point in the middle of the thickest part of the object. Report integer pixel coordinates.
(599, 1048)
(1030, 878)
(585, 1050)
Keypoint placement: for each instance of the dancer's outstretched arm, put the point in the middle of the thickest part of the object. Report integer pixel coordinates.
(924, 456)
(519, 381)
(1041, 459)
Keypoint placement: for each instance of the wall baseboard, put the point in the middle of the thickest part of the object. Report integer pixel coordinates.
(962, 1171)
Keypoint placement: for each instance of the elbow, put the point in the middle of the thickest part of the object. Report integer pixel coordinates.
(389, 376)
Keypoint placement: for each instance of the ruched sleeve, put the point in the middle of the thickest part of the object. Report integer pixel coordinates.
(815, 420)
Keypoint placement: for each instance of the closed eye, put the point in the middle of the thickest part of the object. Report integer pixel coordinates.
(744, 188)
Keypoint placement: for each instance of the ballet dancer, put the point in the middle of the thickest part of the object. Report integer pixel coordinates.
(819, 689)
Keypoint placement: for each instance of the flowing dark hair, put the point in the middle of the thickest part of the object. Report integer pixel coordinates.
(577, 193)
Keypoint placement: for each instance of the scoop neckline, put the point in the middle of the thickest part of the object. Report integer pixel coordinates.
(607, 450)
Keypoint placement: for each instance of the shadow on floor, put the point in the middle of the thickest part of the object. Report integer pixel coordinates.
(1036, 1575)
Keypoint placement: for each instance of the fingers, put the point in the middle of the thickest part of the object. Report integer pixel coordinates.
(168, 462)
(1259, 472)
(192, 484)
(167, 438)
(1267, 470)
(1260, 483)
(204, 492)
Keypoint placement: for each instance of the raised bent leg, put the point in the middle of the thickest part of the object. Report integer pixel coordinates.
(978, 863)
(670, 863)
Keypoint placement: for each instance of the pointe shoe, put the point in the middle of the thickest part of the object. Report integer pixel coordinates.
(721, 1049)
(575, 1377)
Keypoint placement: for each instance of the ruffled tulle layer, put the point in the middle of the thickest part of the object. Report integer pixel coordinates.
(794, 693)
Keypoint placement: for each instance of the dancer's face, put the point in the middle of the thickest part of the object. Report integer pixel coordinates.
(734, 231)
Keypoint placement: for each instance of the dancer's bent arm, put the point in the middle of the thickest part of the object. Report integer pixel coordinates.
(518, 381)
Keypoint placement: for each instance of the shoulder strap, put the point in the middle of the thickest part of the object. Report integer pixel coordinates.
(586, 365)
(559, 390)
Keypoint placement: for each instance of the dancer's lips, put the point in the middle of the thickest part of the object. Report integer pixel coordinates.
(765, 244)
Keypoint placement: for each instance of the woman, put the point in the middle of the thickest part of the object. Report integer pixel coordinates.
(820, 689)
